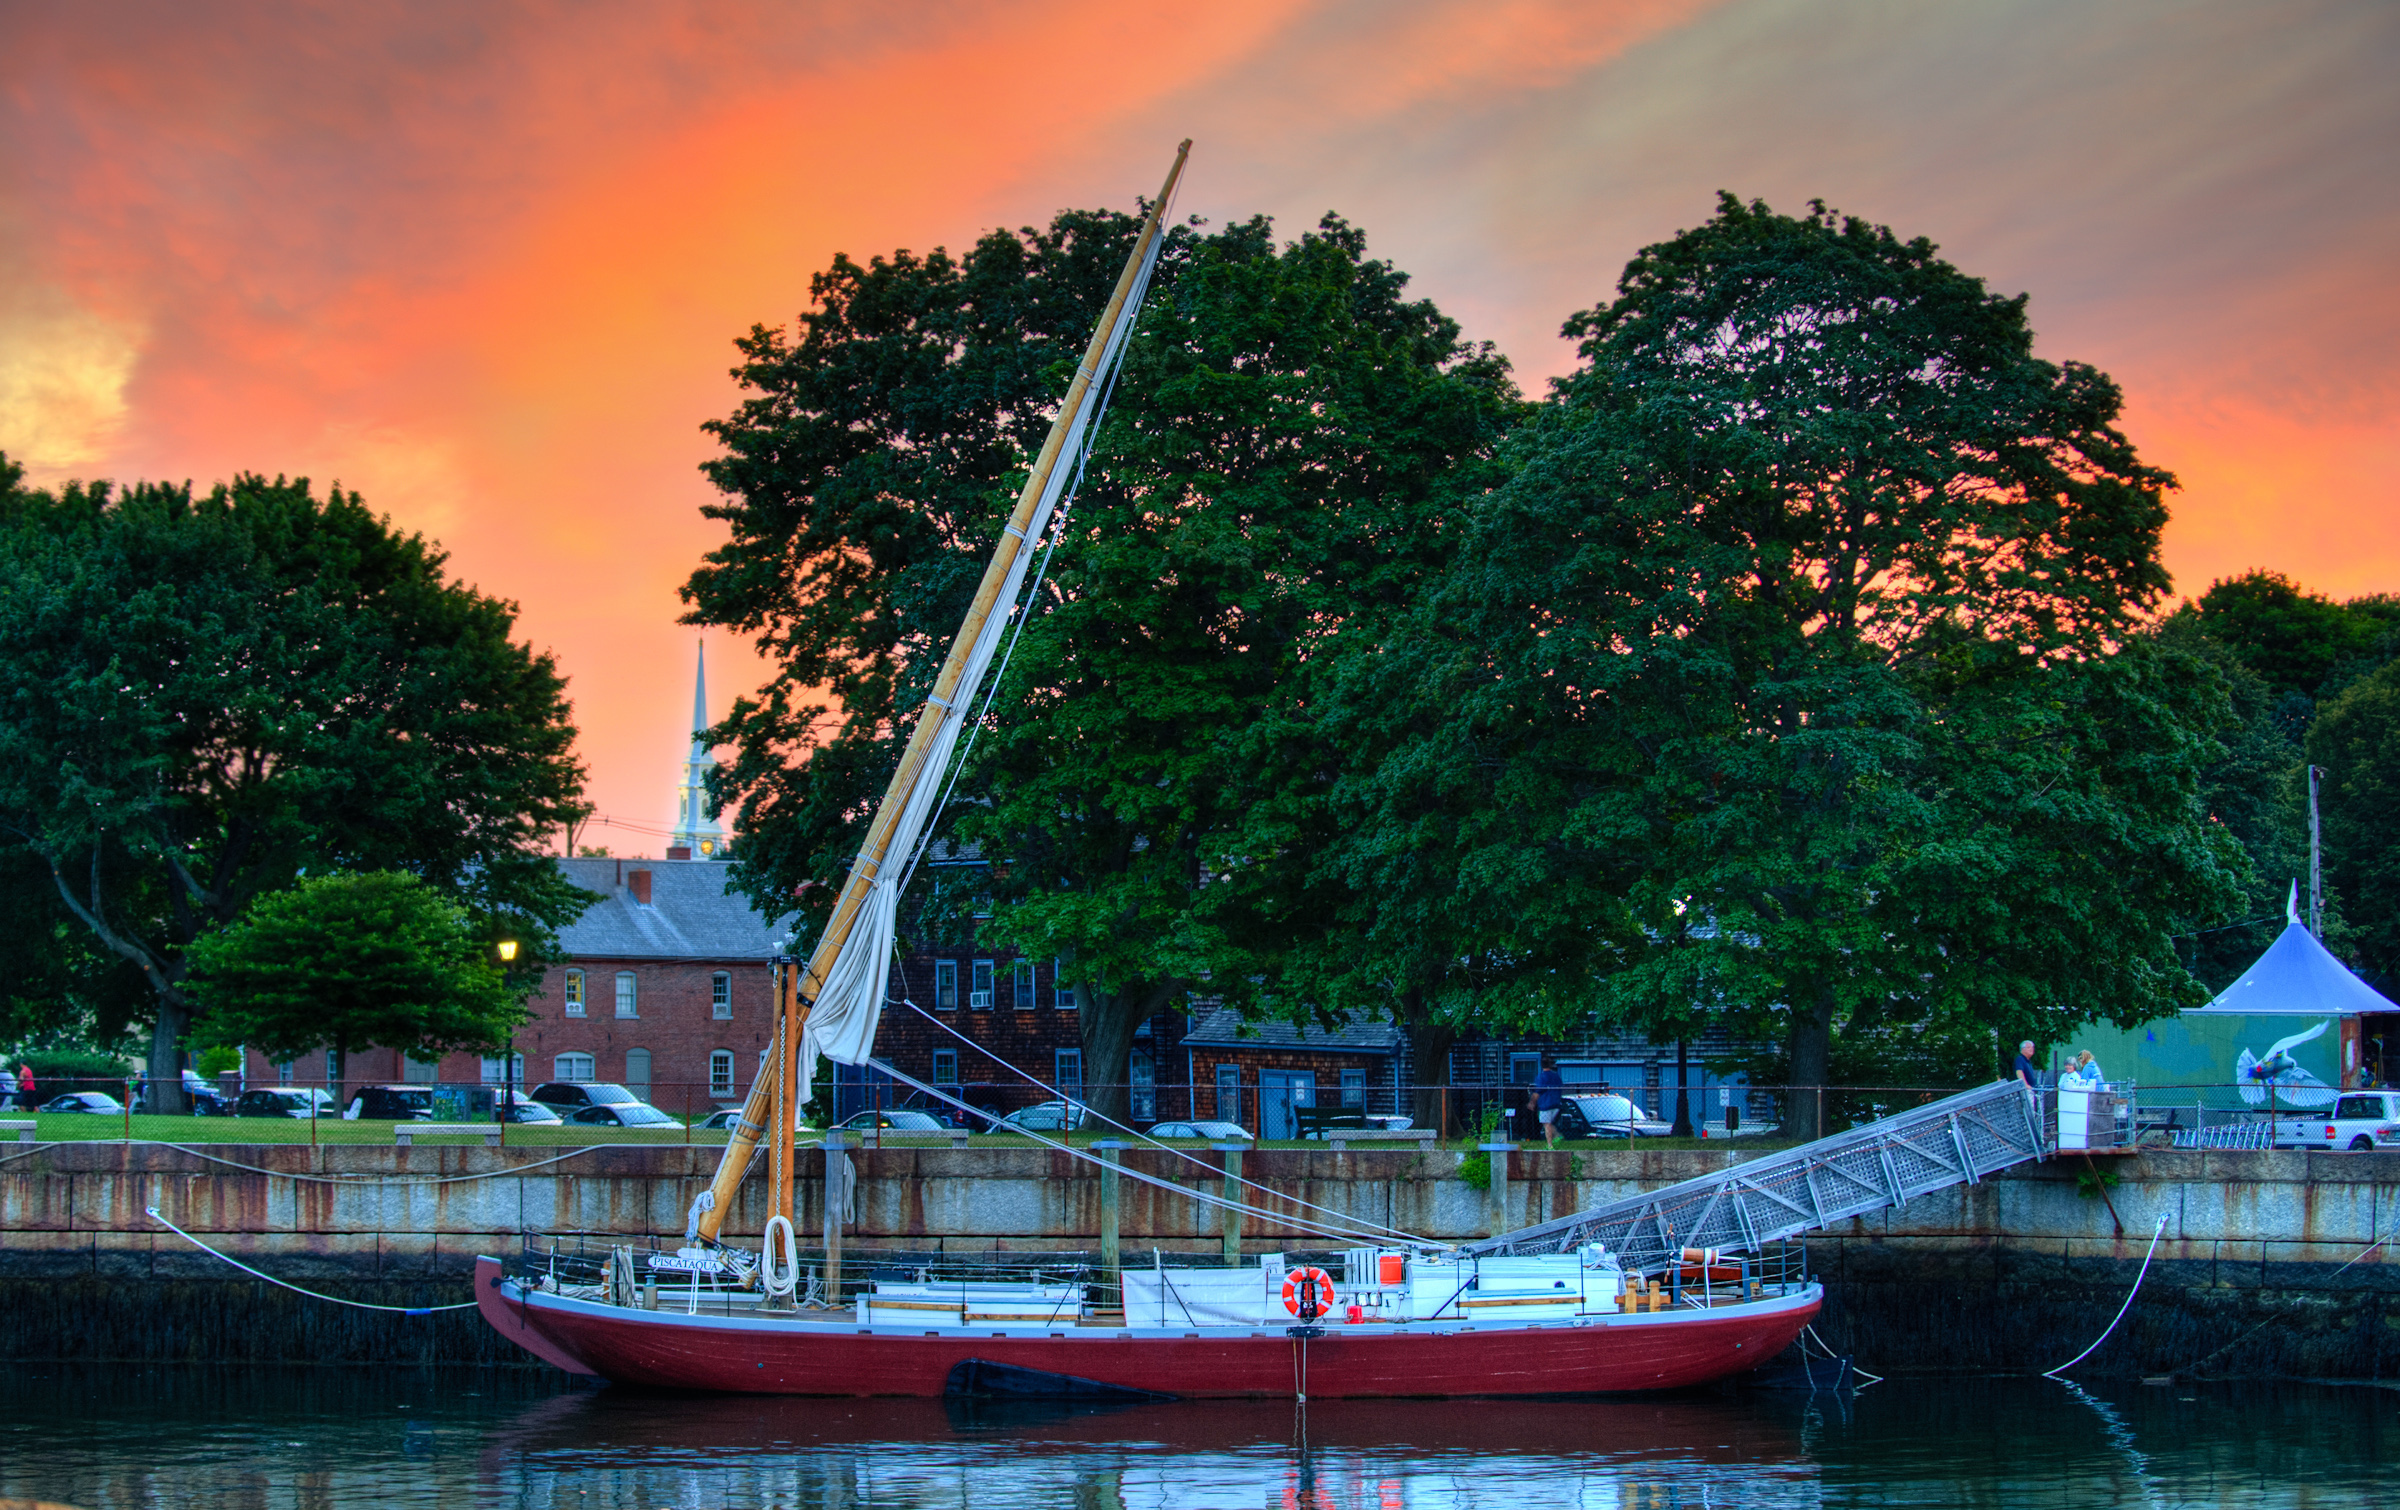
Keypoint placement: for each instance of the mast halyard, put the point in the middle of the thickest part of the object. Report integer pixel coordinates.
(774, 1095)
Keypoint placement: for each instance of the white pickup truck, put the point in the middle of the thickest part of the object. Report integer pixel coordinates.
(2358, 1122)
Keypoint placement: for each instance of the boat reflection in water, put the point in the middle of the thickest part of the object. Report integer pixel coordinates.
(115, 1437)
(599, 1450)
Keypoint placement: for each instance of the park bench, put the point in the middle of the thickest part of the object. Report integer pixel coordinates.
(1341, 1126)
(1340, 1139)
(404, 1132)
(24, 1129)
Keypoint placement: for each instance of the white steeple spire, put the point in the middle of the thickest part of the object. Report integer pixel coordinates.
(696, 832)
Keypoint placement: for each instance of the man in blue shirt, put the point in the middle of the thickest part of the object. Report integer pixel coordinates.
(1546, 1088)
(2025, 1068)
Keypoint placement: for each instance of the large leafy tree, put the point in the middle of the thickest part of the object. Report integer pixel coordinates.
(2356, 738)
(350, 960)
(1278, 482)
(1795, 669)
(1271, 471)
(207, 696)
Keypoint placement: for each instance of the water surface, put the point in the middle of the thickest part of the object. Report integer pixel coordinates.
(331, 1439)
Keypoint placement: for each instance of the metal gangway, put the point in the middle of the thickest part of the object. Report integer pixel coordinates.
(1888, 1162)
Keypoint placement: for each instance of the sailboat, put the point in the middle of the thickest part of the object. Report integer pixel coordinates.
(1401, 1317)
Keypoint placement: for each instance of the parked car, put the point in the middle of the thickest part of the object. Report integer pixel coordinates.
(1215, 1132)
(285, 1101)
(207, 1099)
(1602, 1116)
(390, 1103)
(2358, 1122)
(1049, 1117)
(522, 1108)
(622, 1114)
(723, 1121)
(100, 1103)
(566, 1097)
(896, 1121)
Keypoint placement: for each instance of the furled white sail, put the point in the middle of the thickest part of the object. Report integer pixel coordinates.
(849, 1006)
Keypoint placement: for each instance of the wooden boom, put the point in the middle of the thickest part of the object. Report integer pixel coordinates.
(796, 990)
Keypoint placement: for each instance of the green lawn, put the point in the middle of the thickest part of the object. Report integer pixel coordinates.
(57, 1127)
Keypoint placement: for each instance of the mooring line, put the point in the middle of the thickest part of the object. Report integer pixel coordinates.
(2284, 1316)
(364, 1305)
(2121, 1310)
(362, 1181)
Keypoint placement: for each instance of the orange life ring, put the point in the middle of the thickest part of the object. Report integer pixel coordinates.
(1299, 1301)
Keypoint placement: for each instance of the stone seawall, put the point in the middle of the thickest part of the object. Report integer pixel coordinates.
(2016, 1274)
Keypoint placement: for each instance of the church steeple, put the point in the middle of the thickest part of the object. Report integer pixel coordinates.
(696, 833)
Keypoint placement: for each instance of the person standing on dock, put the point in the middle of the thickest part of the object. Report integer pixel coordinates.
(2026, 1069)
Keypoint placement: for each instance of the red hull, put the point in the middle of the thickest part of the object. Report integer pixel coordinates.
(743, 1355)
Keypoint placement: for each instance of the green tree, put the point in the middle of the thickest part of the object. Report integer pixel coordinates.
(205, 697)
(349, 961)
(2301, 644)
(1268, 474)
(1273, 483)
(2356, 738)
(1795, 666)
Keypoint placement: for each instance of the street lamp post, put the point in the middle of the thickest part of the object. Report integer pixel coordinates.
(508, 1049)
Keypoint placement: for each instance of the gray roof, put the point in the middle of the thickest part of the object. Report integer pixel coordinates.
(1222, 1027)
(690, 917)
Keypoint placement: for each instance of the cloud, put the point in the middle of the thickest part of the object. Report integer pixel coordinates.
(63, 373)
(484, 261)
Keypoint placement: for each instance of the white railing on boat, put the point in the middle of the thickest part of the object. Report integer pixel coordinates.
(1954, 1141)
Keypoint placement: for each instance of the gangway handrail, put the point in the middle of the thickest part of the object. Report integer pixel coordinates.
(1892, 1160)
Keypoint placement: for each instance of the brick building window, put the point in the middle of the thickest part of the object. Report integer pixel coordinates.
(574, 993)
(1069, 1076)
(283, 1072)
(496, 1071)
(720, 1072)
(1229, 1093)
(627, 1003)
(945, 985)
(979, 985)
(1354, 1087)
(1062, 994)
(1021, 985)
(945, 1066)
(576, 1068)
(637, 1072)
(333, 1066)
(720, 996)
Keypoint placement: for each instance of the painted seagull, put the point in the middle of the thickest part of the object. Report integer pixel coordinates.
(2292, 1085)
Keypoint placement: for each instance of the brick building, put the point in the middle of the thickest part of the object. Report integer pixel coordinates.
(667, 989)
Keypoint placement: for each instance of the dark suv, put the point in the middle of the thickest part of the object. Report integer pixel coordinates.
(567, 1097)
(390, 1103)
(284, 1101)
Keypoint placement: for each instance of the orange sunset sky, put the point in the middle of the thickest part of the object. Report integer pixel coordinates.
(484, 261)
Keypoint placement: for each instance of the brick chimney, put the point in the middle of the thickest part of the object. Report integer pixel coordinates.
(679, 851)
(638, 882)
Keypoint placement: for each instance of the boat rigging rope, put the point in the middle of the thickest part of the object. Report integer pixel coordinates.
(362, 1181)
(2121, 1310)
(1188, 1157)
(1350, 1232)
(2272, 1320)
(363, 1305)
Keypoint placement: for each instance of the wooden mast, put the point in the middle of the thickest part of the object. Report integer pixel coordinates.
(875, 851)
